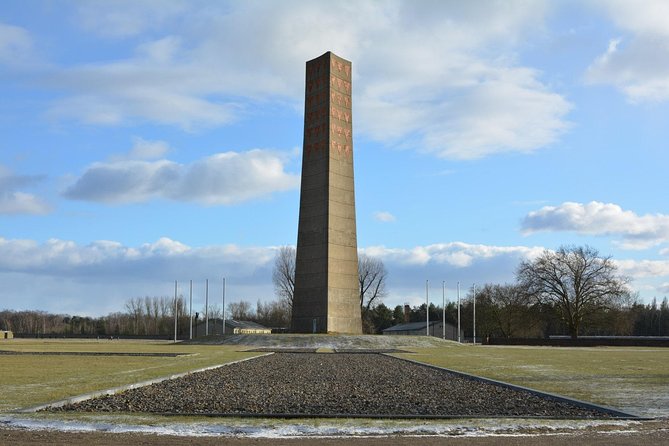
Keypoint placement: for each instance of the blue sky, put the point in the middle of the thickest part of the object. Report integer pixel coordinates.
(149, 141)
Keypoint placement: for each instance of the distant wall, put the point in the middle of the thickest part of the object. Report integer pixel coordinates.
(92, 336)
(6, 334)
(585, 341)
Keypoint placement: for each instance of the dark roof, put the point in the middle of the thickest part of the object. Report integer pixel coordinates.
(411, 326)
(244, 324)
(234, 323)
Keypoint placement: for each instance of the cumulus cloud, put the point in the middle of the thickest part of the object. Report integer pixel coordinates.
(409, 268)
(596, 218)
(649, 277)
(638, 62)
(441, 77)
(158, 260)
(640, 269)
(223, 178)
(63, 276)
(97, 278)
(101, 275)
(454, 254)
(384, 216)
(14, 201)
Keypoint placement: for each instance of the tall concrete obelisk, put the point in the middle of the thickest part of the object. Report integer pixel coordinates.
(326, 298)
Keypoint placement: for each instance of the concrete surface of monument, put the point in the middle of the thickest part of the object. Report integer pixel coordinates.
(326, 298)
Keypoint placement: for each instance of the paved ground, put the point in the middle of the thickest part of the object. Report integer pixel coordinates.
(653, 433)
(335, 342)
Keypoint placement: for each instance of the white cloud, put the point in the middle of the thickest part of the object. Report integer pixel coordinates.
(457, 262)
(499, 110)
(409, 268)
(652, 18)
(148, 150)
(126, 18)
(454, 254)
(649, 277)
(14, 201)
(98, 278)
(637, 64)
(384, 216)
(165, 257)
(641, 269)
(15, 44)
(139, 100)
(441, 77)
(223, 178)
(595, 218)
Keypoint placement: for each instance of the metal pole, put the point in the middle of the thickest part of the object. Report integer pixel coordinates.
(206, 307)
(427, 309)
(223, 332)
(190, 310)
(443, 309)
(175, 312)
(459, 340)
(474, 285)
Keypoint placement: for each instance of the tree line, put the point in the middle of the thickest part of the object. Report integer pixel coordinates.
(499, 319)
(497, 316)
(142, 316)
(570, 291)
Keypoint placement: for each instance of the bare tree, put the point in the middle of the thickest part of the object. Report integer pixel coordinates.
(135, 309)
(372, 276)
(283, 275)
(241, 311)
(504, 310)
(576, 280)
(274, 314)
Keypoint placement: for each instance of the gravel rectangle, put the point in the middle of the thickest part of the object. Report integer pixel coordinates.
(321, 384)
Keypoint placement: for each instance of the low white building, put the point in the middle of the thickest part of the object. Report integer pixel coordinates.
(232, 326)
(245, 327)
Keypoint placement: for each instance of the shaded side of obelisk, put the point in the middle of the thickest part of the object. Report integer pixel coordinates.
(327, 297)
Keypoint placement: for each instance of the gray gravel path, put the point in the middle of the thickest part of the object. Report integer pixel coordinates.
(325, 384)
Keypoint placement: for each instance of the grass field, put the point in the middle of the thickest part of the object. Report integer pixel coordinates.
(30, 380)
(630, 379)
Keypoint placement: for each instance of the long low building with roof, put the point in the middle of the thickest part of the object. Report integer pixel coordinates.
(420, 329)
(232, 326)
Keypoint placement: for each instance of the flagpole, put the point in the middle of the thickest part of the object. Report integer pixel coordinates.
(427, 309)
(190, 310)
(443, 309)
(459, 339)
